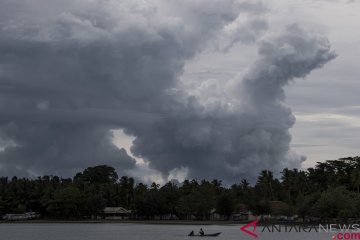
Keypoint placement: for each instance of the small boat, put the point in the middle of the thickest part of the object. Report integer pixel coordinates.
(206, 235)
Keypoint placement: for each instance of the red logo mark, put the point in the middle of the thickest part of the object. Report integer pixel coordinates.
(251, 233)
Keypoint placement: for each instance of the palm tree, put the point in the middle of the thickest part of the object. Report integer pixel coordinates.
(265, 181)
(244, 184)
(355, 179)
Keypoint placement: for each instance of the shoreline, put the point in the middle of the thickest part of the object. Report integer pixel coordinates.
(154, 222)
(150, 222)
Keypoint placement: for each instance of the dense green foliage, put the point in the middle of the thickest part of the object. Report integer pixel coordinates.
(329, 190)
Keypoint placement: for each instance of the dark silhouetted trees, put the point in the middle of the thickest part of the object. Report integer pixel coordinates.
(329, 190)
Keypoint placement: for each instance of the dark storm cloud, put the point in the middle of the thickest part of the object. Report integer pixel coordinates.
(233, 142)
(72, 71)
(58, 149)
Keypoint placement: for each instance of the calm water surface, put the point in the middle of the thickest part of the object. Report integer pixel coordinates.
(115, 231)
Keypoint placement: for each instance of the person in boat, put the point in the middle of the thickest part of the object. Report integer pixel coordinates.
(201, 232)
(192, 233)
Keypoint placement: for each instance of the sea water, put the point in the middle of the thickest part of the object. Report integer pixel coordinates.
(124, 231)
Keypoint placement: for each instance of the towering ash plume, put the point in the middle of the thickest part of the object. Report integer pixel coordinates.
(72, 71)
(250, 131)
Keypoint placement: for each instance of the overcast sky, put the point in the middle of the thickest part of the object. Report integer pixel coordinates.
(326, 103)
(175, 89)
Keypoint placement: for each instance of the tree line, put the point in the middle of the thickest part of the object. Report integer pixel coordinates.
(329, 190)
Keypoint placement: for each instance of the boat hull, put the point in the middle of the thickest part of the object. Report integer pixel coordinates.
(206, 235)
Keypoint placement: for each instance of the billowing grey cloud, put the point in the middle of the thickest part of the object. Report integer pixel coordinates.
(72, 71)
(247, 133)
(58, 149)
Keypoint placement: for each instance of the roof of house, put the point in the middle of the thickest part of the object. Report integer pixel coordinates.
(278, 206)
(116, 210)
(241, 207)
